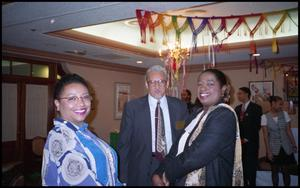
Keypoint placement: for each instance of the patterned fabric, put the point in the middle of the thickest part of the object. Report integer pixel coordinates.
(161, 148)
(75, 156)
(278, 135)
(197, 177)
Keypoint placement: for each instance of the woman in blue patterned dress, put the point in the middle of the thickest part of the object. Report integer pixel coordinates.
(73, 155)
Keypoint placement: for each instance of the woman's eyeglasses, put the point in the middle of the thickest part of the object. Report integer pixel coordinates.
(75, 99)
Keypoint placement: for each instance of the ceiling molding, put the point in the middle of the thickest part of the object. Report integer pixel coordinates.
(103, 42)
(237, 65)
(12, 51)
(81, 61)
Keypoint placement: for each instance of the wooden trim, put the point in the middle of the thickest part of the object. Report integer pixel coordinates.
(104, 42)
(38, 55)
(9, 151)
(28, 80)
(21, 120)
(51, 107)
(55, 57)
(100, 41)
(22, 81)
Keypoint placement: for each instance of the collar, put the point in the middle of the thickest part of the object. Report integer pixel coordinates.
(71, 125)
(247, 104)
(153, 101)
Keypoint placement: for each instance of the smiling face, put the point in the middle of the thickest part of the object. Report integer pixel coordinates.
(209, 90)
(74, 111)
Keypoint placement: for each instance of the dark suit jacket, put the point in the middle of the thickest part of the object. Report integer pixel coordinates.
(213, 148)
(135, 142)
(249, 127)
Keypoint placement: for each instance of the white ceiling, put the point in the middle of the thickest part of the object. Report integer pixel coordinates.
(24, 25)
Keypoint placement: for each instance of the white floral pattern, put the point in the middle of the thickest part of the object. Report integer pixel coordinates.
(57, 146)
(74, 169)
(69, 160)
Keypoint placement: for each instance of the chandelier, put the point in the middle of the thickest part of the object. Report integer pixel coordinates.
(174, 59)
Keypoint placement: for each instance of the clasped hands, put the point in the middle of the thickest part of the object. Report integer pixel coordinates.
(160, 181)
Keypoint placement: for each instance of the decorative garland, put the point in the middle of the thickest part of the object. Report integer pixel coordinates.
(177, 58)
(146, 20)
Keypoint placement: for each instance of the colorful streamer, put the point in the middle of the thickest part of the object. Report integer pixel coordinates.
(179, 30)
(152, 25)
(196, 31)
(143, 22)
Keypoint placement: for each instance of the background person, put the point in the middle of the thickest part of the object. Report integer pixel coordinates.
(186, 96)
(249, 115)
(279, 140)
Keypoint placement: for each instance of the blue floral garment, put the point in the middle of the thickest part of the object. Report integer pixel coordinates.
(75, 156)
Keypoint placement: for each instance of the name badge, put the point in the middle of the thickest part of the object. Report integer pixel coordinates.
(180, 124)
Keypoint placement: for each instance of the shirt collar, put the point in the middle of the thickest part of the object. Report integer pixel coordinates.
(153, 101)
(71, 125)
(246, 104)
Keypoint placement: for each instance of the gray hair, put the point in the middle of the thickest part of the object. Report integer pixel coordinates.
(157, 68)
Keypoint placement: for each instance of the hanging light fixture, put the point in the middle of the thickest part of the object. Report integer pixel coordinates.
(174, 59)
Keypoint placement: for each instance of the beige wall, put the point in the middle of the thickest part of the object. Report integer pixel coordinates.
(101, 120)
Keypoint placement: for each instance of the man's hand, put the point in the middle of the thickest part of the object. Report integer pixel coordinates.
(165, 180)
(157, 180)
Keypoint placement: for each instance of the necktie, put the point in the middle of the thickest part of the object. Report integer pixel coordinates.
(160, 145)
(242, 114)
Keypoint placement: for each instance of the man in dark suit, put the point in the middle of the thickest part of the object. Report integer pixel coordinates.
(137, 142)
(249, 115)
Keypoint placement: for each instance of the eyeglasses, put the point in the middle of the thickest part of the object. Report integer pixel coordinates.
(159, 82)
(75, 99)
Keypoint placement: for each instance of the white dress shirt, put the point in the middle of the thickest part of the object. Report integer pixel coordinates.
(246, 105)
(165, 110)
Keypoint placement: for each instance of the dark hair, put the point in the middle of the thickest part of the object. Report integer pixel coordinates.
(222, 79)
(246, 90)
(65, 80)
(188, 91)
(274, 99)
(218, 74)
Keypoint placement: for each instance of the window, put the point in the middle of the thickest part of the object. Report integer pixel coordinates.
(20, 68)
(5, 67)
(41, 71)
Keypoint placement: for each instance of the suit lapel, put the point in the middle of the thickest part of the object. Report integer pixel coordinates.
(147, 121)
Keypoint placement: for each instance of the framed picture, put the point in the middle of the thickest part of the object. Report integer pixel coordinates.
(291, 86)
(122, 95)
(261, 90)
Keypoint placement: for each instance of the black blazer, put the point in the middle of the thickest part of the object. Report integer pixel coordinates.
(250, 125)
(213, 148)
(135, 142)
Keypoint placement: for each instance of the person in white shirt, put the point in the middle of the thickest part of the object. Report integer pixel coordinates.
(279, 140)
(138, 139)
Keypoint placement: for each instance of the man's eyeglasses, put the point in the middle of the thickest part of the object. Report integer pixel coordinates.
(159, 82)
(75, 99)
